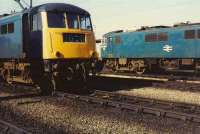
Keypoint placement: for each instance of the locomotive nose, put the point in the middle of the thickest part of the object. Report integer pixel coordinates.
(69, 45)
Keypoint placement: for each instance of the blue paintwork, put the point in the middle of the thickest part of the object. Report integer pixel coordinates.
(11, 44)
(133, 44)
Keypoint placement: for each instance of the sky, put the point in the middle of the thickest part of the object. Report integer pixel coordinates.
(111, 15)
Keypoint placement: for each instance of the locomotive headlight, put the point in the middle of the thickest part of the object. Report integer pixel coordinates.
(58, 55)
(93, 54)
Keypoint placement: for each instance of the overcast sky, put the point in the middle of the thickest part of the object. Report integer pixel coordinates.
(110, 15)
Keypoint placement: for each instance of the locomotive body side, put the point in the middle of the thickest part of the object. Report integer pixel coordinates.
(11, 37)
(173, 47)
(133, 44)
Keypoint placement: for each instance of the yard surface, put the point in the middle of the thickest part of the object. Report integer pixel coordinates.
(165, 94)
(55, 115)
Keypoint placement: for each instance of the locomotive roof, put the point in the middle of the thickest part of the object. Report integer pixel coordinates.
(60, 7)
(190, 26)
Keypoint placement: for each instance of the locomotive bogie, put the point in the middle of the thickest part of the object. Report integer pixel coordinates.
(140, 66)
(133, 65)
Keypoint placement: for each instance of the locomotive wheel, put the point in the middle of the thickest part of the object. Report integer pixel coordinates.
(44, 82)
(80, 83)
(46, 85)
(6, 75)
(114, 68)
(140, 71)
(58, 83)
(131, 67)
(83, 73)
(69, 74)
(98, 67)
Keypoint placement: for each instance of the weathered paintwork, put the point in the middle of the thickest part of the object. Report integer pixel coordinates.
(133, 45)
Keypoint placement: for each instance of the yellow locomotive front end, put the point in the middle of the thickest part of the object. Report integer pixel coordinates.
(68, 43)
(68, 36)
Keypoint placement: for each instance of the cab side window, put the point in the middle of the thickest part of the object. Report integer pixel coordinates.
(190, 34)
(36, 24)
(198, 34)
(110, 39)
(117, 40)
(162, 37)
(151, 37)
(11, 28)
(4, 29)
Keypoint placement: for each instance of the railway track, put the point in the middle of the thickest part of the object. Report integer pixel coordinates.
(183, 86)
(7, 128)
(19, 96)
(186, 112)
(182, 111)
(163, 78)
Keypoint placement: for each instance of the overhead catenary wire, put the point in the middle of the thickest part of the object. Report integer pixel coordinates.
(23, 4)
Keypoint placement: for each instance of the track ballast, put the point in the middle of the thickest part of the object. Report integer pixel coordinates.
(7, 128)
(182, 111)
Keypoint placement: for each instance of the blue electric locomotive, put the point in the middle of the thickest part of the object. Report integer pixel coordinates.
(166, 48)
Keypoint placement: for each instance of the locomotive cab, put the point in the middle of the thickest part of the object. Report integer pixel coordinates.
(62, 36)
(68, 36)
(58, 31)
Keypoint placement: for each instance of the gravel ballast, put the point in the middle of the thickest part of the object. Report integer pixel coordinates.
(53, 115)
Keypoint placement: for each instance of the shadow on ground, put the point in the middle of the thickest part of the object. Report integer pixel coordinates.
(90, 113)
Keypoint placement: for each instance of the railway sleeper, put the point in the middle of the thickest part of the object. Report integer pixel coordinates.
(11, 129)
(140, 109)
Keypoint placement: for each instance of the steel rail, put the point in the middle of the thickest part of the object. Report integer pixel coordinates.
(177, 85)
(7, 128)
(140, 105)
(136, 99)
(19, 96)
(162, 78)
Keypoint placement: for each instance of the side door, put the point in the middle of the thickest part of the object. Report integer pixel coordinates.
(26, 34)
(189, 46)
(198, 44)
(36, 38)
(110, 47)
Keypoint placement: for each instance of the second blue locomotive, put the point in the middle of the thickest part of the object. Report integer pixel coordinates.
(174, 48)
